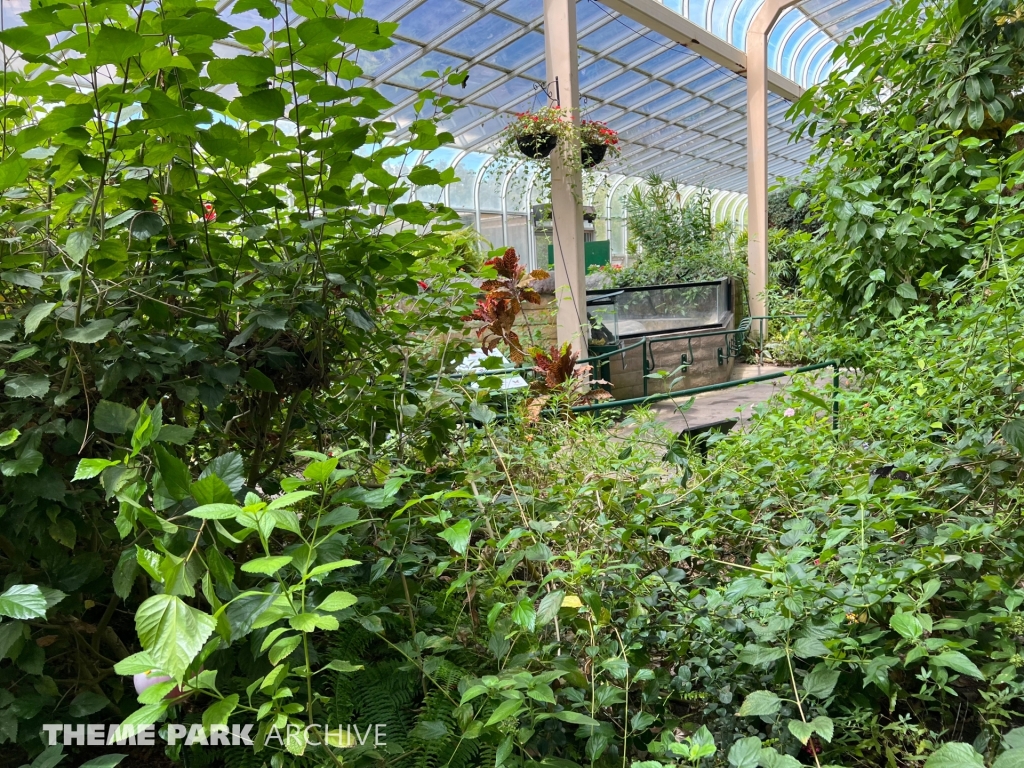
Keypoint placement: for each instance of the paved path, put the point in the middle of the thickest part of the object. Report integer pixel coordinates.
(736, 403)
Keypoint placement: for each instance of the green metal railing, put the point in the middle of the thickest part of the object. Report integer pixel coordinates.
(834, 364)
(733, 344)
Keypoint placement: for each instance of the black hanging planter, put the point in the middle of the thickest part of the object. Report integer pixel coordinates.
(592, 154)
(537, 145)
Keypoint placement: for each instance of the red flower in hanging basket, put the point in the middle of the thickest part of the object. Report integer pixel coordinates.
(596, 133)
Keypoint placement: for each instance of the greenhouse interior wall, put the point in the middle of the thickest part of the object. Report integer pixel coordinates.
(497, 202)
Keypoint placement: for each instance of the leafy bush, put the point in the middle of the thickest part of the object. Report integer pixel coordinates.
(782, 214)
(206, 256)
(916, 141)
(673, 243)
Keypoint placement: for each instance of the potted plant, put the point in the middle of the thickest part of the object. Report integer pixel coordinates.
(536, 134)
(597, 140)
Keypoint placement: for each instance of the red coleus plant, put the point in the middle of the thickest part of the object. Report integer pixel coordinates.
(503, 302)
(558, 365)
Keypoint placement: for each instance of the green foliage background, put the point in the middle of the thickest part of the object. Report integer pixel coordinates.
(234, 451)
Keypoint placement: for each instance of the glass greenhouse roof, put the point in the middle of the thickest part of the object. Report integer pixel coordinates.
(679, 114)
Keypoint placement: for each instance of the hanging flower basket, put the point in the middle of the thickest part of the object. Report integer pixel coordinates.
(597, 141)
(536, 134)
(537, 146)
(592, 154)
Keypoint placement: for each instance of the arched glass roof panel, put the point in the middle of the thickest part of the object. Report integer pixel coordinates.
(743, 14)
(433, 18)
(526, 48)
(462, 194)
(524, 10)
(481, 36)
(788, 21)
(677, 111)
(607, 35)
(720, 13)
(491, 186)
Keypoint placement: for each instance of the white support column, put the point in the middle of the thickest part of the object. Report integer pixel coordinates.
(757, 150)
(566, 187)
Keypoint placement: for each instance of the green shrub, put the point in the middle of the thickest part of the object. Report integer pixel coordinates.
(673, 243)
(917, 154)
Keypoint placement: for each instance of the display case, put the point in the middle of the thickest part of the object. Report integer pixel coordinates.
(625, 313)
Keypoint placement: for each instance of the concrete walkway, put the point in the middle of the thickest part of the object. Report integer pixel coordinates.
(727, 405)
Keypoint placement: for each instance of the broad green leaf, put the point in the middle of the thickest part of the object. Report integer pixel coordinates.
(250, 71)
(36, 385)
(172, 632)
(758, 656)
(268, 566)
(258, 380)
(48, 758)
(506, 709)
(955, 755)
(87, 703)
(320, 570)
(90, 333)
(337, 601)
(1013, 433)
(958, 662)
(219, 712)
(135, 664)
(218, 511)
(88, 468)
(824, 727)
(211, 490)
(458, 535)
(125, 572)
(78, 244)
(264, 105)
(174, 475)
(1014, 739)
(809, 647)
(770, 758)
(113, 46)
(23, 601)
(8, 437)
(907, 625)
(113, 418)
(320, 471)
(549, 606)
(145, 715)
(283, 648)
(288, 499)
(576, 718)
(176, 435)
(13, 171)
(10, 633)
(27, 464)
(27, 40)
(801, 730)
(1013, 758)
(760, 703)
(523, 613)
(37, 314)
(146, 225)
(304, 622)
(745, 753)
(821, 681)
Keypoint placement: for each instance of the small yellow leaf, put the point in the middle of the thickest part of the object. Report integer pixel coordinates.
(571, 601)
